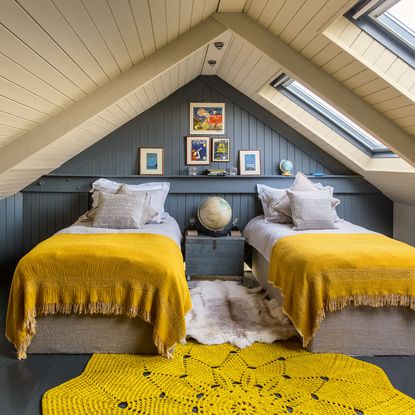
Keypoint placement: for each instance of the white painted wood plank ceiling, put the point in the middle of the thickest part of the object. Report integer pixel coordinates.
(55, 53)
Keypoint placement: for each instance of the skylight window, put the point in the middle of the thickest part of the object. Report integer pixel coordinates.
(391, 22)
(330, 116)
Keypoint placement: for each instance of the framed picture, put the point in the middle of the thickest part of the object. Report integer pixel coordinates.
(207, 117)
(220, 149)
(249, 162)
(152, 161)
(198, 150)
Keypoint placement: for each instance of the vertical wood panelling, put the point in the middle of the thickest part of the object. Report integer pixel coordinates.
(11, 230)
(404, 223)
(46, 213)
(248, 126)
(167, 125)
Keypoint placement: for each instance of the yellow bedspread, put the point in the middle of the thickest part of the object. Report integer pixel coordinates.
(114, 274)
(327, 272)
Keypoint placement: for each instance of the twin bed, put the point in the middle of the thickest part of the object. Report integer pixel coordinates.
(385, 328)
(89, 289)
(97, 333)
(116, 289)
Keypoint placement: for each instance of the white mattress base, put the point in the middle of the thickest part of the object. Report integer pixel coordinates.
(364, 331)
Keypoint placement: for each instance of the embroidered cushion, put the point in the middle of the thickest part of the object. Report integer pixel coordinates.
(311, 210)
(122, 211)
(157, 193)
(303, 184)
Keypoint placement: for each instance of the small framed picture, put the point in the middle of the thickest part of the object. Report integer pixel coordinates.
(207, 118)
(152, 161)
(220, 149)
(198, 150)
(249, 162)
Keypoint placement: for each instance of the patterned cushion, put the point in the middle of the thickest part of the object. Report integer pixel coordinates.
(157, 192)
(121, 211)
(311, 210)
(303, 184)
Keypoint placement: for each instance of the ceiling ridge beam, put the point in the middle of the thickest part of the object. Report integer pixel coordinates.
(109, 94)
(322, 83)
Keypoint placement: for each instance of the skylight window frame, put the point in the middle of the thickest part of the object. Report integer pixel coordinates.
(370, 18)
(284, 85)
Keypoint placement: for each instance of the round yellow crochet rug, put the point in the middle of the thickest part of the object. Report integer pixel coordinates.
(263, 379)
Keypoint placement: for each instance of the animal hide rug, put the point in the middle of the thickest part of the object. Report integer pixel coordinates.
(226, 312)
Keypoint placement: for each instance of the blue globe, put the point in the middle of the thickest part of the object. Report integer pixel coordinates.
(286, 167)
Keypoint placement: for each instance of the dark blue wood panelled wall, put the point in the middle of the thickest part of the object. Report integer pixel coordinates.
(56, 200)
(11, 230)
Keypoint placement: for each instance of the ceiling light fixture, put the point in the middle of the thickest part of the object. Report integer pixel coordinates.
(211, 62)
(219, 45)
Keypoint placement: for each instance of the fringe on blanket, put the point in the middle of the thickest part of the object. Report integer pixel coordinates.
(394, 300)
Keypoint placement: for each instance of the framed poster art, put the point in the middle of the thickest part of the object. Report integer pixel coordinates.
(198, 151)
(207, 118)
(220, 149)
(152, 161)
(249, 162)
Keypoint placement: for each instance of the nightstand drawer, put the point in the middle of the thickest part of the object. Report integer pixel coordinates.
(214, 256)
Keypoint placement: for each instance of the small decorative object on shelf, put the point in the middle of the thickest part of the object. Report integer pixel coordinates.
(216, 172)
(286, 167)
(192, 171)
(233, 171)
(318, 174)
(235, 231)
(192, 222)
(192, 231)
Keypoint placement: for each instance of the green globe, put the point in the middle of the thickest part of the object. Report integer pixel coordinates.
(214, 213)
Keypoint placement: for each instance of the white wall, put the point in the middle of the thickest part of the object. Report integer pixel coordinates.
(404, 222)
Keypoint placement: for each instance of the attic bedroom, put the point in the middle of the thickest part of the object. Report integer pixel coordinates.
(207, 206)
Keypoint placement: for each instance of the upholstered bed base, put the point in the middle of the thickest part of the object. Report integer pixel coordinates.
(362, 331)
(80, 334)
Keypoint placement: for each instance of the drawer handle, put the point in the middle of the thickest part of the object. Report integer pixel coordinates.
(214, 244)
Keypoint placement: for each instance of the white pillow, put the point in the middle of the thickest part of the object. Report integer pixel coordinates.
(122, 211)
(105, 185)
(268, 196)
(311, 210)
(157, 193)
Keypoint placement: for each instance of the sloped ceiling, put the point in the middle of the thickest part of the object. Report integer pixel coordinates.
(71, 71)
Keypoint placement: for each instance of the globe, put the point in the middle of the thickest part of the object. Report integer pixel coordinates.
(286, 167)
(214, 213)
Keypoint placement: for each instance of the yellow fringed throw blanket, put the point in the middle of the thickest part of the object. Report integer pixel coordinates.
(328, 272)
(136, 275)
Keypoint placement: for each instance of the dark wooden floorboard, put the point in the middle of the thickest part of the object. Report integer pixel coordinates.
(22, 383)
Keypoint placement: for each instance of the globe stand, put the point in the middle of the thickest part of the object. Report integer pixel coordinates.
(202, 230)
(216, 234)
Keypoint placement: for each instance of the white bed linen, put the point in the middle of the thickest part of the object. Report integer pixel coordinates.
(168, 227)
(262, 235)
